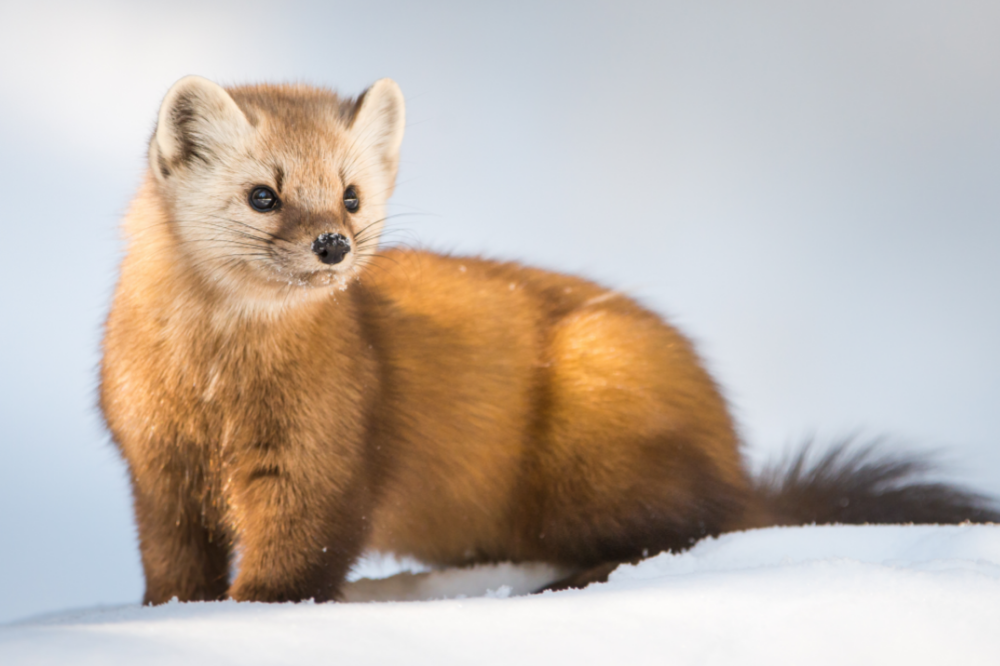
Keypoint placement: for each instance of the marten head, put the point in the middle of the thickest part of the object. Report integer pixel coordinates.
(282, 185)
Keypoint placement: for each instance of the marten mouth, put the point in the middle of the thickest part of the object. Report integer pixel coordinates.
(326, 278)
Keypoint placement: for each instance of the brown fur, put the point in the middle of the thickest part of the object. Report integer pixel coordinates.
(453, 409)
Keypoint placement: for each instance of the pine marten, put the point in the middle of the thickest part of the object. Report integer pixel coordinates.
(287, 395)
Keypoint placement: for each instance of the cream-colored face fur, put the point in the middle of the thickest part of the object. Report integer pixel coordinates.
(213, 147)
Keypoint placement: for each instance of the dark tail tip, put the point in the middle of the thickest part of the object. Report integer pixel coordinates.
(856, 484)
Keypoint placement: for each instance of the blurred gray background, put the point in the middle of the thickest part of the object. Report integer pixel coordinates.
(809, 189)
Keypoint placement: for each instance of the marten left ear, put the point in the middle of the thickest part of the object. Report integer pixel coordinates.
(379, 118)
(198, 121)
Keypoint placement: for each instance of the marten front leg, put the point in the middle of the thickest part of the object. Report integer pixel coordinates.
(300, 522)
(185, 553)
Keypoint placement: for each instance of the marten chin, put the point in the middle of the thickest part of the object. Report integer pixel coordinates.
(283, 389)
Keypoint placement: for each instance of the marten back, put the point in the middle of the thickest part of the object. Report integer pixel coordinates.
(535, 416)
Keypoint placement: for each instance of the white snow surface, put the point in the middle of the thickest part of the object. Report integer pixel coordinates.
(802, 595)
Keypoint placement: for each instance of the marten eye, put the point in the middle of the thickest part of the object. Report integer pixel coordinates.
(263, 199)
(351, 201)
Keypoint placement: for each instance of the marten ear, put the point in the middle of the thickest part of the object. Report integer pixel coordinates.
(379, 118)
(197, 118)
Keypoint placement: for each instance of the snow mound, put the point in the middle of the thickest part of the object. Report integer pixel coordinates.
(924, 547)
(816, 595)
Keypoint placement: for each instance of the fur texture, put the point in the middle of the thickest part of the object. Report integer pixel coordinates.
(288, 413)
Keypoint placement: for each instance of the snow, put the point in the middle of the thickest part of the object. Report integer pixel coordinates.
(809, 595)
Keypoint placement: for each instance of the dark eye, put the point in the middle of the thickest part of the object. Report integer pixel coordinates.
(351, 201)
(263, 199)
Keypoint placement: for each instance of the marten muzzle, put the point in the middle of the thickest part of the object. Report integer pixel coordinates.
(331, 248)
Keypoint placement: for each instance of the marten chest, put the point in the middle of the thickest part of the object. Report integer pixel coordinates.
(202, 399)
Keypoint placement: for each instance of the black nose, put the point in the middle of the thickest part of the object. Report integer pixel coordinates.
(331, 248)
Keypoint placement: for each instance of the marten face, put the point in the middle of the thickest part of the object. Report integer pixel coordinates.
(276, 185)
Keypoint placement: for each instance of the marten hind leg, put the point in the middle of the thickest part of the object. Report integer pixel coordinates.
(638, 454)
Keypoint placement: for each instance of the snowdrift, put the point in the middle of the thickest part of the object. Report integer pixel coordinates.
(805, 595)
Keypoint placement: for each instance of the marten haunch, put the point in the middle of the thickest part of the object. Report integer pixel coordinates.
(286, 395)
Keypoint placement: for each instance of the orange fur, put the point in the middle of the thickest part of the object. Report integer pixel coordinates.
(454, 409)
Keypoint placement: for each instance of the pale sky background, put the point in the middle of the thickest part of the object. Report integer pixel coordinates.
(810, 190)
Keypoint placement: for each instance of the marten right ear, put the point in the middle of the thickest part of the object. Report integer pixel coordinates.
(197, 118)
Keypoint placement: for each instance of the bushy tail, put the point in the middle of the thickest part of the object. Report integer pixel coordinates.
(853, 484)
